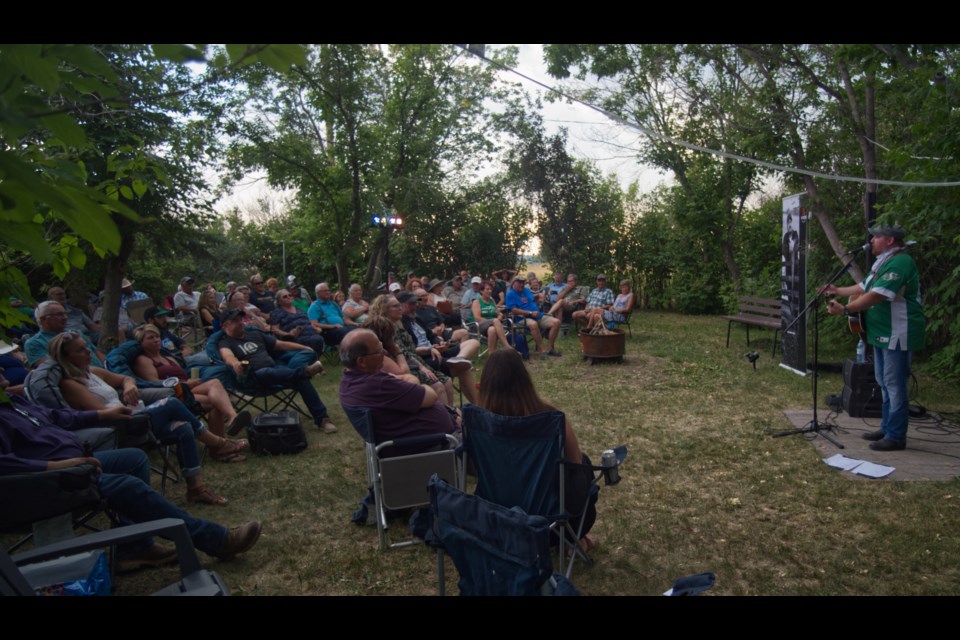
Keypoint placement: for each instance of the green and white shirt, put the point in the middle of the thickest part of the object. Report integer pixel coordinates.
(898, 323)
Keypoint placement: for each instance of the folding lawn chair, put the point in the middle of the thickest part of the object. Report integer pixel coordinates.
(398, 470)
(497, 551)
(520, 463)
(247, 393)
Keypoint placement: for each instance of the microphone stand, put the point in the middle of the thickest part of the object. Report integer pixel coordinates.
(814, 426)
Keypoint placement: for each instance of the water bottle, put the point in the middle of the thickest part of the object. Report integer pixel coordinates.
(861, 351)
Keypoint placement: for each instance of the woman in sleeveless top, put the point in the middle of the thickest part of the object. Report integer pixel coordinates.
(154, 365)
(92, 388)
(485, 313)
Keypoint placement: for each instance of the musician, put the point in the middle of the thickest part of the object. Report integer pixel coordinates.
(895, 328)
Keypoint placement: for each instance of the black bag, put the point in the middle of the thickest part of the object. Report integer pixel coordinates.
(277, 433)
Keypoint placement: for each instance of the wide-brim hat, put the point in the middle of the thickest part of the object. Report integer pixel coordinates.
(126, 283)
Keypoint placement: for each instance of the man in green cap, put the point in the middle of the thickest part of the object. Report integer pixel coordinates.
(895, 328)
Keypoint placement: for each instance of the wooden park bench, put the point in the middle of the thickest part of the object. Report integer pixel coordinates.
(757, 312)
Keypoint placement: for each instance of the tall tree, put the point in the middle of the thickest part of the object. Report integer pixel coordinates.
(577, 213)
(358, 131)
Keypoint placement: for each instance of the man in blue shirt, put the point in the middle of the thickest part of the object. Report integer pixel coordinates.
(521, 305)
(327, 317)
(52, 319)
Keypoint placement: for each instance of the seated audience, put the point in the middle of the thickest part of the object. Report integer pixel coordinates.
(186, 300)
(327, 316)
(252, 316)
(520, 304)
(208, 307)
(355, 308)
(599, 300)
(506, 389)
(289, 323)
(172, 342)
(570, 299)
(52, 320)
(77, 319)
(388, 307)
(439, 355)
(128, 294)
(260, 296)
(86, 387)
(430, 319)
(621, 305)
(248, 352)
(488, 318)
(398, 408)
(34, 438)
(155, 365)
(13, 360)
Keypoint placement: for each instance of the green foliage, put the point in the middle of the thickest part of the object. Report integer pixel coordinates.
(358, 132)
(578, 214)
(83, 132)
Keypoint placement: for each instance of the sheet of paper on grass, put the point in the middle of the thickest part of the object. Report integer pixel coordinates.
(860, 467)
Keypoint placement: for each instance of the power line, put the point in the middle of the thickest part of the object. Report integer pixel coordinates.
(715, 152)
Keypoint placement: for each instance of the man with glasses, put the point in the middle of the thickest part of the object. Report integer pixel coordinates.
(77, 320)
(261, 297)
(289, 323)
(52, 318)
(399, 408)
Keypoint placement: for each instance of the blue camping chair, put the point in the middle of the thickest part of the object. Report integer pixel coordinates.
(520, 463)
(497, 551)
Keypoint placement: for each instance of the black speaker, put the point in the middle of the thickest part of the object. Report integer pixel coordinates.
(862, 397)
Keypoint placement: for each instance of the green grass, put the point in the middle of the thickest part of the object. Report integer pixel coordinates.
(704, 487)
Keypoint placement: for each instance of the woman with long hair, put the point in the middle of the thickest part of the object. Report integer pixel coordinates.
(93, 388)
(387, 307)
(394, 363)
(506, 389)
(155, 365)
(208, 307)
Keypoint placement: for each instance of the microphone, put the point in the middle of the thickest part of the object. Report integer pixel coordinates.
(860, 249)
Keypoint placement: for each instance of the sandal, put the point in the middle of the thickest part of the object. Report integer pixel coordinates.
(203, 495)
(230, 451)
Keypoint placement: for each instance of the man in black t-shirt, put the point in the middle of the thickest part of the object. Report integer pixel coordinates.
(240, 344)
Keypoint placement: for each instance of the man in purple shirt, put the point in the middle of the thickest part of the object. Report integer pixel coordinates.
(34, 438)
(398, 408)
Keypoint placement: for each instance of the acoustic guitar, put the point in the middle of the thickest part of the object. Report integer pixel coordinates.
(856, 322)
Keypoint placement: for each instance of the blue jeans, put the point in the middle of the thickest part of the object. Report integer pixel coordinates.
(297, 380)
(125, 484)
(200, 359)
(892, 370)
(170, 419)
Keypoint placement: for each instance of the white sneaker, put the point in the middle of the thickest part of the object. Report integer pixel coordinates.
(315, 368)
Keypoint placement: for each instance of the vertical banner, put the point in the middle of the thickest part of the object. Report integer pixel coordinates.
(793, 284)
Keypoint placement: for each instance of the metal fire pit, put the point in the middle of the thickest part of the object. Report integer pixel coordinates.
(601, 347)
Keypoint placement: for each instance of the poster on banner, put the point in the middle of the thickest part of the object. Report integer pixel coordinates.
(793, 284)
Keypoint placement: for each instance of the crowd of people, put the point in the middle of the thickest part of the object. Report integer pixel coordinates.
(402, 352)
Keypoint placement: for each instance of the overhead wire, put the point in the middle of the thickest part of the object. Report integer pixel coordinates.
(715, 152)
